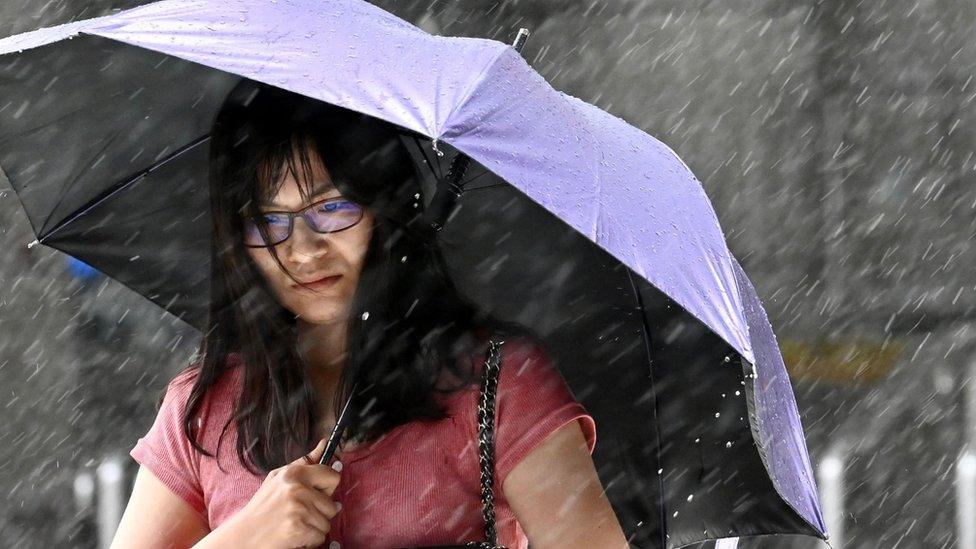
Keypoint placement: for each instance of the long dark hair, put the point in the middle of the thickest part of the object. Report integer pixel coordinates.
(418, 323)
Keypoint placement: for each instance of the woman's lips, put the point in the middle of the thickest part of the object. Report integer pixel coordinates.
(320, 284)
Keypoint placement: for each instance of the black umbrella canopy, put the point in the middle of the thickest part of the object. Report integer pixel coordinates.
(148, 229)
(674, 414)
(675, 450)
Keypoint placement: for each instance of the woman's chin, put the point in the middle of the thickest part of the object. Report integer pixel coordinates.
(319, 317)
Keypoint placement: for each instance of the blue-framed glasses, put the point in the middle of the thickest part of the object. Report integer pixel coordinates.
(325, 216)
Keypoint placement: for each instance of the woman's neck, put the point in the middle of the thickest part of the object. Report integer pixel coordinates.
(323, 347)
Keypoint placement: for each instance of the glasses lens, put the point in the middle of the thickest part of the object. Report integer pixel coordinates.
(276, 224)
(334, 216)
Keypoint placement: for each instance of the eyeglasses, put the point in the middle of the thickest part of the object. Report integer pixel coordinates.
(325, 216)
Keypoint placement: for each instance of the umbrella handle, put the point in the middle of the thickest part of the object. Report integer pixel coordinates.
(450, 187)
(340, 426)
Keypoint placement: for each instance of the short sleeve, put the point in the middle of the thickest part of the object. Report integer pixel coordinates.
(166, 451)
(532, 401)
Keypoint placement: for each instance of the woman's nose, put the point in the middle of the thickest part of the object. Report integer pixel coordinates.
(304, 243)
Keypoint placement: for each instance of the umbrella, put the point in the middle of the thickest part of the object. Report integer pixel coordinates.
(601, 232)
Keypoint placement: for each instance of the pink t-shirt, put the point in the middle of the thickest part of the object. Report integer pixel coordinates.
(418, 484)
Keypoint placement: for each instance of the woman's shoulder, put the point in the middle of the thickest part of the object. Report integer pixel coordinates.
(515, 352)
(532, 400)
(520, 354)
(223, 390)
(525, 367)
(171, 447)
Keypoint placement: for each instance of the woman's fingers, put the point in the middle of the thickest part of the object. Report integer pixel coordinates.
(317, 522)
(316, 454)
(316, 519)
(319, 528)
(320, 477)
(321, 503)
(312, 457)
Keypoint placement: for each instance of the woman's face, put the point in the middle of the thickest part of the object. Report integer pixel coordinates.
(311, 256)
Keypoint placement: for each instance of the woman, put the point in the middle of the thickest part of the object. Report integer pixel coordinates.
(321, 276)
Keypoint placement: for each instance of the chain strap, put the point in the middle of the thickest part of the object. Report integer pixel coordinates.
(486, 433)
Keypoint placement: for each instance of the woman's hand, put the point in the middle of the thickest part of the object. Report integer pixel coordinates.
(292, 508)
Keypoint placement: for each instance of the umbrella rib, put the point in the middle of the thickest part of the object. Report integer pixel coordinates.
(124, 184)
(657, 431)
(464, 183)
(71, 184)
(467, 190)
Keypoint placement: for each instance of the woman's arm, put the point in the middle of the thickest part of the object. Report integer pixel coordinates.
(557, 496)
(157, 517)
(292, 508)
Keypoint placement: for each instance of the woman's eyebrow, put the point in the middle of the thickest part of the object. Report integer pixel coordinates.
(324, 187)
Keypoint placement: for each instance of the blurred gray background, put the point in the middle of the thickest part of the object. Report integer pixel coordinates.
(836, 142)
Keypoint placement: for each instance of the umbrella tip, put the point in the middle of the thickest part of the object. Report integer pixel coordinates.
(32, 244)
(523, 33)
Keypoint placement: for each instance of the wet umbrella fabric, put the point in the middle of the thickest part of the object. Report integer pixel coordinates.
(582, 226)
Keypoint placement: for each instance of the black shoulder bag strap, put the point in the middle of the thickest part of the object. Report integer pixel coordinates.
(486, 457)
(486, 434)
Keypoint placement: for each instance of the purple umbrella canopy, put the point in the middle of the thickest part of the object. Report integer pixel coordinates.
(104, 122)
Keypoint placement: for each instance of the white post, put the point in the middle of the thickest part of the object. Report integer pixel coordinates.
(966, 471)
(84, 490)
(966, 500)
(111, 478)
(831, 481)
